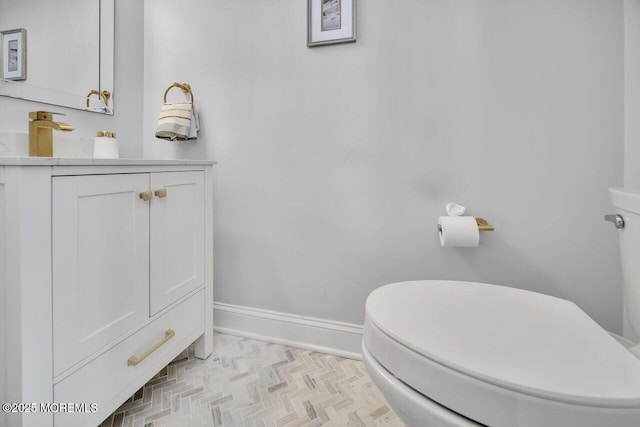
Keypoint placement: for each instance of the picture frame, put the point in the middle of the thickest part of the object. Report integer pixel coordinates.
(13, 54)
(330, 22)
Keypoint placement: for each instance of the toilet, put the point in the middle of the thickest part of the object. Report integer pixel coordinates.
(459, 354)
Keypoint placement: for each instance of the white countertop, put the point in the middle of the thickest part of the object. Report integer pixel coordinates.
(62, 161)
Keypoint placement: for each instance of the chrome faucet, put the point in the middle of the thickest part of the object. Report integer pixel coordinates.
(41, 129)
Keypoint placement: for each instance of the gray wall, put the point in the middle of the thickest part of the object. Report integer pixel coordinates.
(632, 95)
(127, 93)
(335, 162)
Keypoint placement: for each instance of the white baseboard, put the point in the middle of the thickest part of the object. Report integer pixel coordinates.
(324, 336)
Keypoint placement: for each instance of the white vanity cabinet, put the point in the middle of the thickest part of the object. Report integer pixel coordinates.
(105, 276)
(100, 240)
(177, 237)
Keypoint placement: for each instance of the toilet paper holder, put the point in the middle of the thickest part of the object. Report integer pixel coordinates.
(483, 225)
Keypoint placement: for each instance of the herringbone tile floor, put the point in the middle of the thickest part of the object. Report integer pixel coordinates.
(254, 383)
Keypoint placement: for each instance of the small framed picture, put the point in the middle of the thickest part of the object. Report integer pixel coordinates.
(14, 54)
(330, 21)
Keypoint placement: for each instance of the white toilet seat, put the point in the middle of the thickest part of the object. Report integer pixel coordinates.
(502, 356)
(412, 407)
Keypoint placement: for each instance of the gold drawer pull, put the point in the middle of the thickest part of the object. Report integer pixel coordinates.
(133, 360)
(146, 196)
(161, 192)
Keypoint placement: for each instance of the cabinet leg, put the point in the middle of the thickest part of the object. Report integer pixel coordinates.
(204, 345)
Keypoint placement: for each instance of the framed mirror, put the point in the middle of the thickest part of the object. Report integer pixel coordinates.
(69, 48)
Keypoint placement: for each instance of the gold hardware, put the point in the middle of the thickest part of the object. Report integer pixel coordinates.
(161, 193)
(133, 360)
(105, 95)
(41, 129)
(146, 196)
(106, 133)
(483, 225)
(186, 87)
(93, 92)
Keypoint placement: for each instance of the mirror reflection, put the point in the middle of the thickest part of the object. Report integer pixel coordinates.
(69, 52)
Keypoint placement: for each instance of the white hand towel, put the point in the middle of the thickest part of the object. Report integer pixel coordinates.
(195, 123)
(175, 121)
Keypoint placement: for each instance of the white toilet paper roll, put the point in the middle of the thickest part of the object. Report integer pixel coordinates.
(458, 231)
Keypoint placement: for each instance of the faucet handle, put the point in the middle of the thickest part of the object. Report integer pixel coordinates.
(616, 219)
(43, 115)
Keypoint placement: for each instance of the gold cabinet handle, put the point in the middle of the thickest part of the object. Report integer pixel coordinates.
(168, 334)
(146, 196)
(161, 193)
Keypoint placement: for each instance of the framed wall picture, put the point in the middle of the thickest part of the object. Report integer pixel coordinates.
(14, 54)
(330, 21)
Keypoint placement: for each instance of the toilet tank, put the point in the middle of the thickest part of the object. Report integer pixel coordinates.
(628, 206)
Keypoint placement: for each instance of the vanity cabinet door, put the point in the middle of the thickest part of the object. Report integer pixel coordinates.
(177, 236)
(100, 262)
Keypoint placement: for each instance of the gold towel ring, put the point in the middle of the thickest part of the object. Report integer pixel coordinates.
(186, 87)
(105, 94)
(93, 92)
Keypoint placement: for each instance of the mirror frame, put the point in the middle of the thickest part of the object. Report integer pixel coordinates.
(22, 90)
